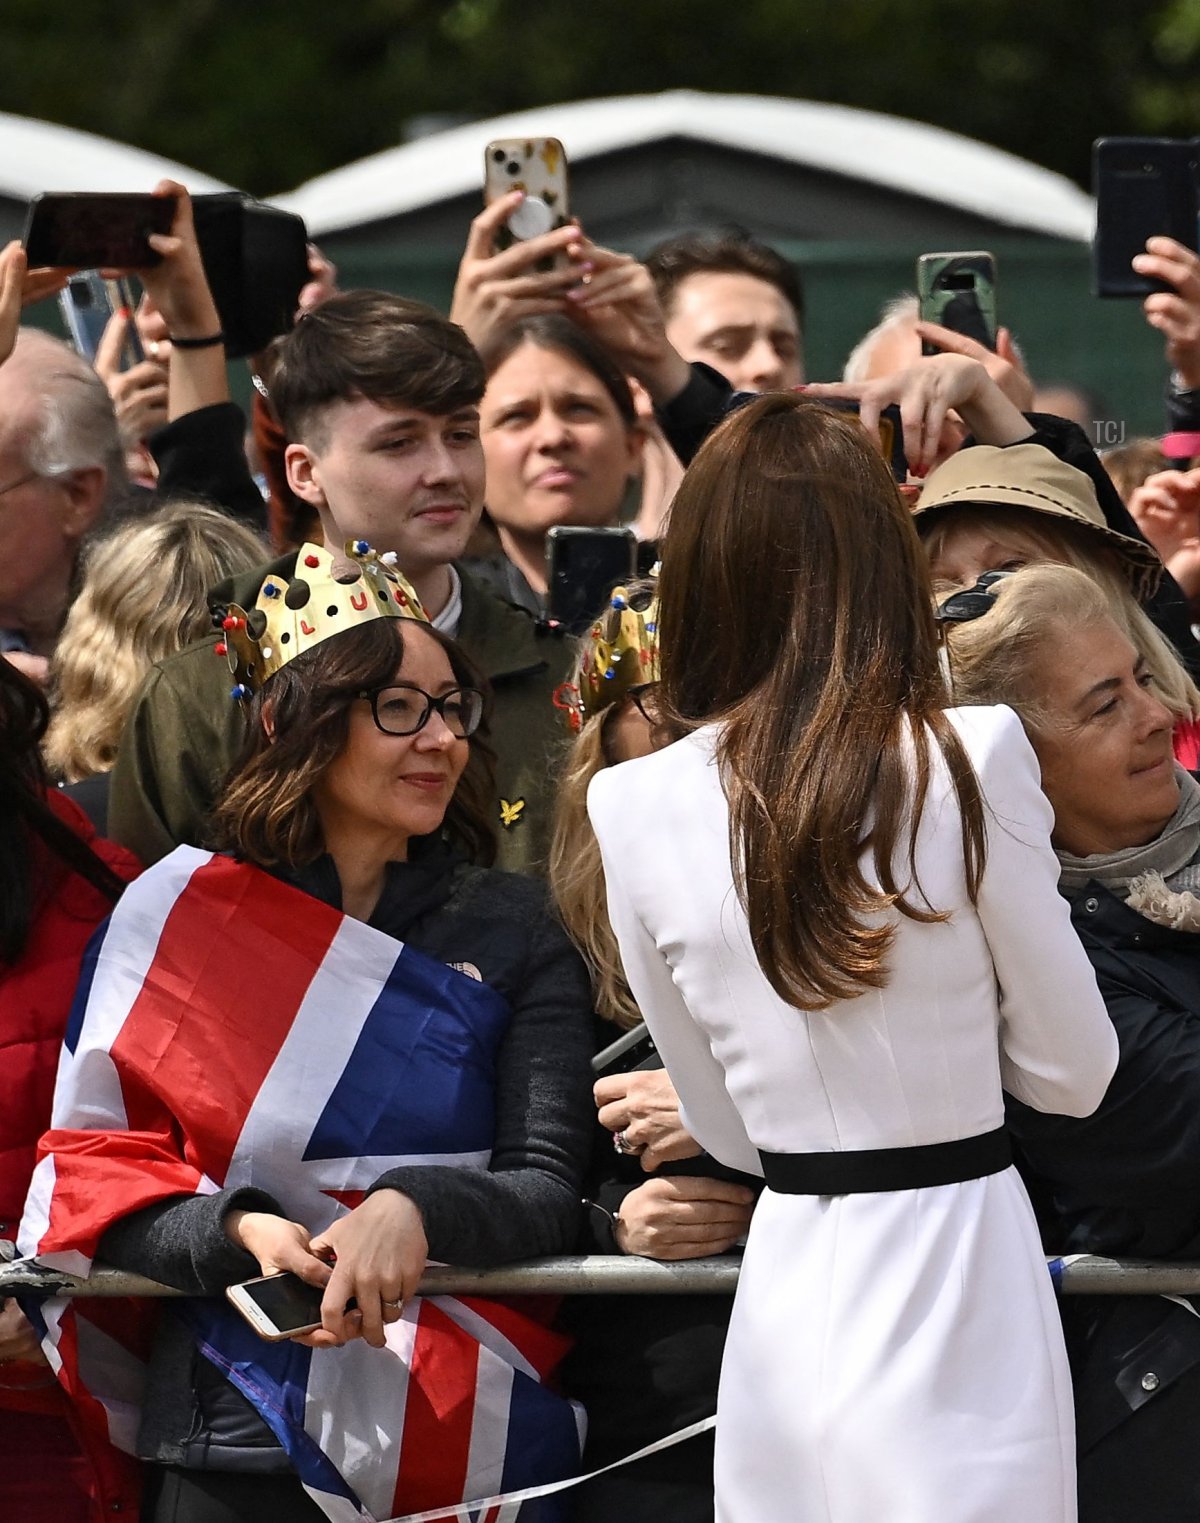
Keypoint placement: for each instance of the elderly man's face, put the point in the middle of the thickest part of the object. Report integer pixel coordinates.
(42, 520)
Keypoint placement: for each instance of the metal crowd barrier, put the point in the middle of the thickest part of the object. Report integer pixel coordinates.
(597, 1274)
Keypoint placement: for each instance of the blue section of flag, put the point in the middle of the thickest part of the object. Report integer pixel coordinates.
(422, 1076)
(1056, 1267)
(542, 1446)
(273, 1378)
(83, 990)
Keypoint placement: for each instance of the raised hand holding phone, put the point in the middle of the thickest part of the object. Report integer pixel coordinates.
(1174, 311)
(925, 393)
(1004, 364)
(495, 289)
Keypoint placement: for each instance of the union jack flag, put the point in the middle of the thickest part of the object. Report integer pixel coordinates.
(231, 1031)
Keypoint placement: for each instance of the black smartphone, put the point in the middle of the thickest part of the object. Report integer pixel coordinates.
(891, 432)
(634, 1049)
(583, 566)
(86, 230)
(958, 290)
(1143, 187)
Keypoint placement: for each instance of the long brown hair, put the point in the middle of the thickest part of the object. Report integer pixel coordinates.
(795, 609)
(266, 812)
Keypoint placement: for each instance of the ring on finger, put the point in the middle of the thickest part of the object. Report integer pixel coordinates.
(152, 348)
(622, 1144)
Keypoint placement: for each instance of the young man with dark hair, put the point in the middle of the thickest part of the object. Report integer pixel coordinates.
(378, 396)
(734, 303)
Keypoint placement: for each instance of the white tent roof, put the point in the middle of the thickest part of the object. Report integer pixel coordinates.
(37, 156)
(863, 145)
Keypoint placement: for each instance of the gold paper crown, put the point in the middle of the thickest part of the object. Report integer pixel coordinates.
(290, 617)
(619, 652)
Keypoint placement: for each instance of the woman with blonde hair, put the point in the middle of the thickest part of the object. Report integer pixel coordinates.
(992, 509)
(643, 1369)
(837, 907)
(144, 595)
(1124, 1181)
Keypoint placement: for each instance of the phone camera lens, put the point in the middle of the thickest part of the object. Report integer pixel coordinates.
(81, 295)
(512, 167)
(498, 155)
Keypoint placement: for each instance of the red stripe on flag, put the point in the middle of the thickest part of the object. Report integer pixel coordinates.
(542, 1346)
(351, 1199)
(266, 943)
(438, 1414)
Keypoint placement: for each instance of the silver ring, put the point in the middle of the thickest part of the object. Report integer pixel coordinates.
(622, 1144)
(152, 348)
(395, 1305)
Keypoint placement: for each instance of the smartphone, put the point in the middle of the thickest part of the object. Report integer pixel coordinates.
(87, 304)
(583, 566)
(87, 231)
(1143, 187)
(891, 432)
(632, 1050)
(278, 1305)
(538, 166)
(958, 290)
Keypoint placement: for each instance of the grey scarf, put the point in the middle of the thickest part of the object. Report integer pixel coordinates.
(1171, 859)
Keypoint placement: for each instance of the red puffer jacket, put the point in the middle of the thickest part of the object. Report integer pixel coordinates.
(35, 999)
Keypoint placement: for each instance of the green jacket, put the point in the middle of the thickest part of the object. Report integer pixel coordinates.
(185, 730)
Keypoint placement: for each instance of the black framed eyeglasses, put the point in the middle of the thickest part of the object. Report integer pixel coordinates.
(971, 602)
(403, 709)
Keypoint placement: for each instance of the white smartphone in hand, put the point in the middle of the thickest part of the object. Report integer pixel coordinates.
(538, 166)
(279, 1306)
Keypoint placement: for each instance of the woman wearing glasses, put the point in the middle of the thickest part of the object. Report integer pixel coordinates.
(353, 1048)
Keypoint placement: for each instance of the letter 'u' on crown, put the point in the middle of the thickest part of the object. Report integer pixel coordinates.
(291, 616)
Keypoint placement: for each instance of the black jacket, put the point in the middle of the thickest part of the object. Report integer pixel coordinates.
(1125, 1182)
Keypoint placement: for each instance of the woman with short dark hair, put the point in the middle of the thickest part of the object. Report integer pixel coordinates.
(836, 907)
(339, 1051)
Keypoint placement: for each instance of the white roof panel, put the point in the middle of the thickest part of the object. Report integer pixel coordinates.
(890, 151)
(37, 156)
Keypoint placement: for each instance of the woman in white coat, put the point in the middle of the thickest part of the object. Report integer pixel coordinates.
(837, 908)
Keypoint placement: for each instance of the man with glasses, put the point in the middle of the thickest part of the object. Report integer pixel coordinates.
(61, 467)
(378, 397)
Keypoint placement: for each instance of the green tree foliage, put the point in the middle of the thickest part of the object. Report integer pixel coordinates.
(268, 94)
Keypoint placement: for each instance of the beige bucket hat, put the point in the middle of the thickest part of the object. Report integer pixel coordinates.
(1031, 477)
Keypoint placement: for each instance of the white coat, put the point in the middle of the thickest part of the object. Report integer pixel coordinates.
(892, 1356)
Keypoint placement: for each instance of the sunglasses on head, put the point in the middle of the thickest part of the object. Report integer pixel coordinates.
(971, 602)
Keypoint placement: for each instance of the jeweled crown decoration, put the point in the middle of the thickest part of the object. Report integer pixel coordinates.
(292, 615)
(620, 650)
